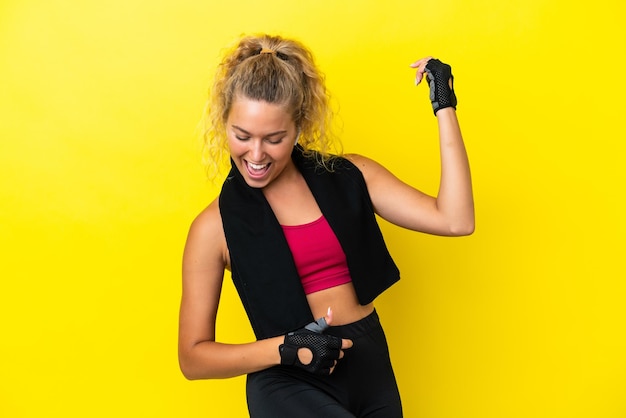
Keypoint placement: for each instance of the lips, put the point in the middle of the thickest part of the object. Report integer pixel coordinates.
(257, 170)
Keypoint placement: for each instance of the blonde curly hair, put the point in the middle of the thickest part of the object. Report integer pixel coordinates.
(278, 71)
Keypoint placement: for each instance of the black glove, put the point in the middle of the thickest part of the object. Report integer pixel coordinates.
(441, 82)
(325, 348)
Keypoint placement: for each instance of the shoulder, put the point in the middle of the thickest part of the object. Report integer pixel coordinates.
(370, 169)
(358, 160)
(206, 234)
(209, 219)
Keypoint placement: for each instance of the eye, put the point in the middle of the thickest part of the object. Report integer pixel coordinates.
(241, 138)
(275, 140)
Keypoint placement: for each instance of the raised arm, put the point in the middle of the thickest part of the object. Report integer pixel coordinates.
(451, 212)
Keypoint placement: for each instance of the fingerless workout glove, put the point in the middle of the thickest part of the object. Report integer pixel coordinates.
(325, 348)
(441, 82)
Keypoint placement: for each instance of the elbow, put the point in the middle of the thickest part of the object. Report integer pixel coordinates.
(192, 374)
(189, 376)
(199, 365)
(463, 232)
(464, 224)
(463, 229)
(196, 369)
(457, 221)
(188, 369)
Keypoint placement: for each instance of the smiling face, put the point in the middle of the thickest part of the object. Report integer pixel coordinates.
(261, 136)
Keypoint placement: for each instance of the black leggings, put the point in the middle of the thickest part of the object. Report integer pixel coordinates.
(362, 385)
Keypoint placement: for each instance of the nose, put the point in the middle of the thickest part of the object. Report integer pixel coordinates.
(256, 150)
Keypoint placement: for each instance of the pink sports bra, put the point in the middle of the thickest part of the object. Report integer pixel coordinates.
(319, 258)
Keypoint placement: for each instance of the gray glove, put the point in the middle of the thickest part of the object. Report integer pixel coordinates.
(441, 82)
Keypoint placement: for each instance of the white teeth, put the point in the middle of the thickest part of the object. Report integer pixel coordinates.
(257, 166)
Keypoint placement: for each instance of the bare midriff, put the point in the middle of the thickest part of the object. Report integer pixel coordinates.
(343, 302)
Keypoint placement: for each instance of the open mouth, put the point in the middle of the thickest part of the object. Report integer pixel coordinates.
(257, 170)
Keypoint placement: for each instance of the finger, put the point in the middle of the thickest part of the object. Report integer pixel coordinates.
(420, 65)
(345, 344)
(419, 76)
(420, 62)
(332, 369)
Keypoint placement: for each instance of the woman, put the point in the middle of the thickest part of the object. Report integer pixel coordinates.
(296, 228)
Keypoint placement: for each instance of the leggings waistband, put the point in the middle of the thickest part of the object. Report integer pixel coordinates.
(357, 328)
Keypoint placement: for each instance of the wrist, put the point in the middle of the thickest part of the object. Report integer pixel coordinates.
(445, 112)
(273, 350)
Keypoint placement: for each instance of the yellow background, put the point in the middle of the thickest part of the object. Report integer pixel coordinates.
(100, 178)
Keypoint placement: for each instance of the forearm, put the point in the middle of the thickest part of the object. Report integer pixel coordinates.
(213, 360)
(454, 199)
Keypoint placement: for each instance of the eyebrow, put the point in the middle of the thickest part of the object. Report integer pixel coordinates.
(265, 136)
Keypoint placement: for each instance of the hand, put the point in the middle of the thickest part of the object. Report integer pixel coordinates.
(311, 350)
(441, 82)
